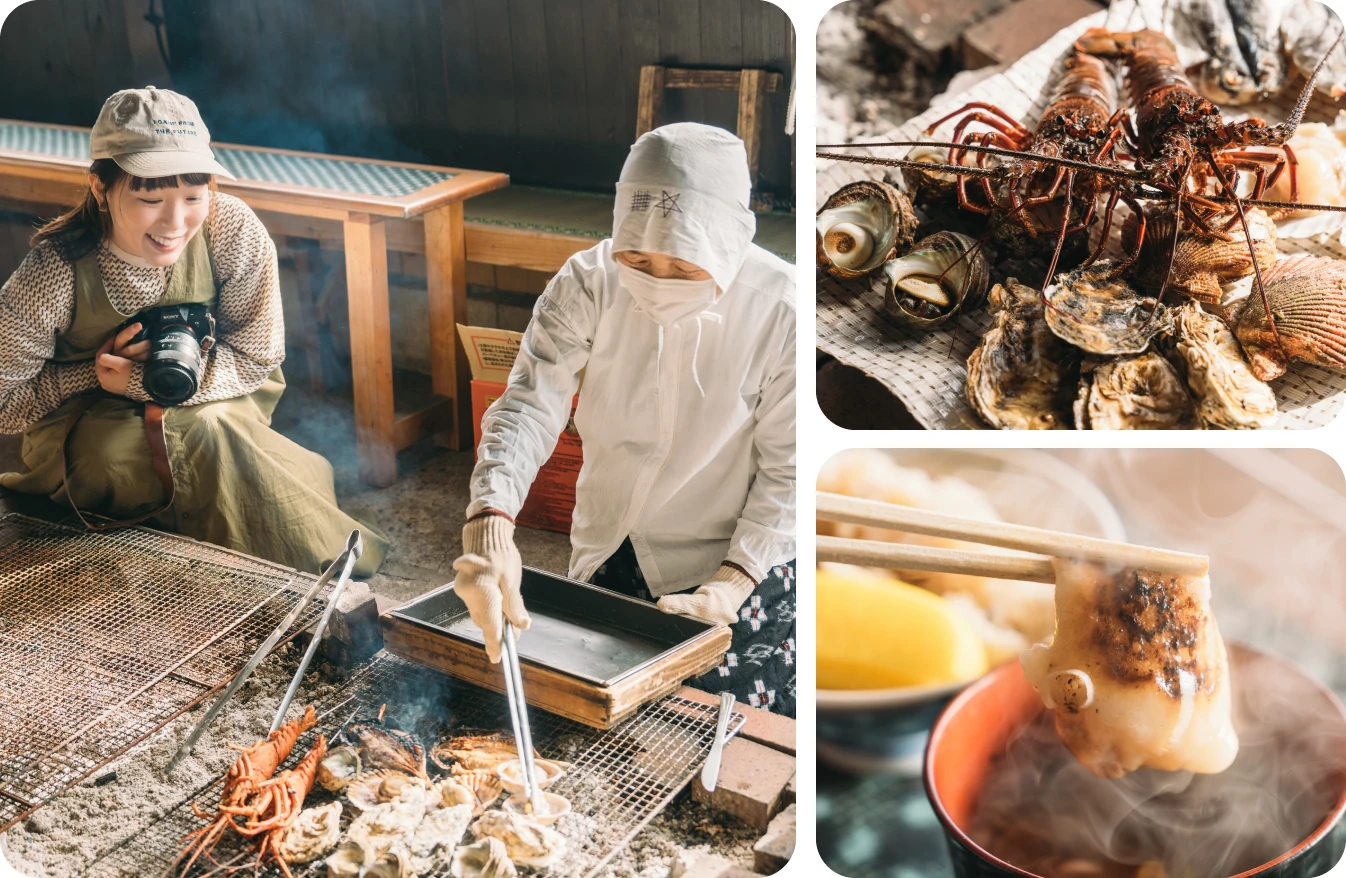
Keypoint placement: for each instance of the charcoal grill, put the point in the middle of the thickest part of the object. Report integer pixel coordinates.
(620, 780)
(106, 637)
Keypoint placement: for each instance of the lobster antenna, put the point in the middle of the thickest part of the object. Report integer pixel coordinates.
(1287, 128)
(967, 170)
(1287, 205)
(994, 150)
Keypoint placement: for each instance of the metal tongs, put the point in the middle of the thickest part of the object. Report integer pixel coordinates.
(518, 715)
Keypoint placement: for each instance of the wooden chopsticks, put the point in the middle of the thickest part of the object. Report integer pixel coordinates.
(1036, 567)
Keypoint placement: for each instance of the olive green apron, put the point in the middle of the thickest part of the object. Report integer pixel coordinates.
(239, 484)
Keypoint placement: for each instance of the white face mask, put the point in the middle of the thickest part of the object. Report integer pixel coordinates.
(667, 301)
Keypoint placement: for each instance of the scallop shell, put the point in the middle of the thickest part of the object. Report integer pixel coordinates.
(372, 788)
(1307, 295)
(1229, 396)
(313, 833)
(475, 788)
(487, 858)
(928, 186)
(1141, 392)
(944, 274)
(861, 226)
(528, 842)
(338, 768)
(1021, 376)
(1102, 314)
(1202, 264)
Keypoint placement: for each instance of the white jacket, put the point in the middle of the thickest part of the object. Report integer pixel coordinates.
(692, 481)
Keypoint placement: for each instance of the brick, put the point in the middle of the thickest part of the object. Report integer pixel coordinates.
(762, 726)
(353, 633)
(751, 784)
(925, 29)
(791, 791)
(775, 849)
(1020, 28)
(699, 864)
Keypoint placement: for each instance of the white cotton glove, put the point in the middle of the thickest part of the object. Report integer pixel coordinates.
(489, 573)
(717, 601)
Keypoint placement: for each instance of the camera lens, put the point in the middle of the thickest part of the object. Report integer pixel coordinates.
(173, 366)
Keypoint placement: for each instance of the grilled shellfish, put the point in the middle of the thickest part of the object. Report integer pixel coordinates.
(487, 858)
(476, 789)
(861, 226)
(929, 185)
(1229, 396)
(469, 753)
(1021, 376)
(1307, 295)
(528, 842)
(1102, 314)
(338, 768)
(388, 748)
(381, 785)
(431, 845)
(313, 833)
(1201, 264)
(943, 275)
(1141, 392)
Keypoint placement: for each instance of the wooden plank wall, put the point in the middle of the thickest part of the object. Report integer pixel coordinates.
(544, 90)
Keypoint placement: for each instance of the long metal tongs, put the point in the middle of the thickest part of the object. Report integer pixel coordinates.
(242, 676)
(518, 715)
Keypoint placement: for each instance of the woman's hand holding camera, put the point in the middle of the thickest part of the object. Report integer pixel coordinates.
(117, 358)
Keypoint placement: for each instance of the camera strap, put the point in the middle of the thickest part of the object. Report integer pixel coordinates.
(154, 433)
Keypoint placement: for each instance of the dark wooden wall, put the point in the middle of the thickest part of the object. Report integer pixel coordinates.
(544, 90)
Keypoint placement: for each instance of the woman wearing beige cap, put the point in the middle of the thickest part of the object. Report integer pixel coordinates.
(183, 439)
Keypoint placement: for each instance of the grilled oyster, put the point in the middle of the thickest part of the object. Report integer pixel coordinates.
(468, 753)
(338, 768)
(388, 748)
(431, 845)
(861, 226)
(348, 861)
(1201, 263)
(1141, 392)
(395, 862)
(1229, 396)
(314, 832)
(944, 274)
(389, 822)
(381, 785)
(1307, 295)
(487, 858)
(528, 842)
(1101, 314)
(1021, 376)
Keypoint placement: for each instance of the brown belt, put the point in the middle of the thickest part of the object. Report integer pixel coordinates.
(154, 433)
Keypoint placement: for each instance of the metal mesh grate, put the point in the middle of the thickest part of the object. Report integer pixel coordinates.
(106, 637)
(619, 779)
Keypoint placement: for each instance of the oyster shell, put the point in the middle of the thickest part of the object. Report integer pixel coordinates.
(388, 748)
(338, 768)
(395, 862)
(1307, 295)
(943, 275)
(1101, 314)
(487, 858)
(348, 861)
(381, 785)
(1021, 376)
(927, 185)
(314, 832)
(431, 845)
(1201, 264)
(388, 823)
(1141, 392)
(1229, 396)
(470, 753)
(528, 842)
(860, 227)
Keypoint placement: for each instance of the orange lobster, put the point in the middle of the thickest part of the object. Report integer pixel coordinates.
(279, 802)
(242, 782)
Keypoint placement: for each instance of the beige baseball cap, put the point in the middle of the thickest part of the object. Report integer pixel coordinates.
(154, 132)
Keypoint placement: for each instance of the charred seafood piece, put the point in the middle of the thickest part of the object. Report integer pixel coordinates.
(487, 858)
(1201, 264)
(1021, 376)
(388, 748)
(861, 226)
(944, 275)
(1228, 395)
(1307, 295)
(469, 753)
(1141, 392)
(1103, 314)
(338, 768)
(313, 834)
(528, 842)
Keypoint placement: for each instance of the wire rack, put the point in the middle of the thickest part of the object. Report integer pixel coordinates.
(618, 781)
(106, 637)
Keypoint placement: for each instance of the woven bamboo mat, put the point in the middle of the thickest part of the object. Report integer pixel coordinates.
(927, 371)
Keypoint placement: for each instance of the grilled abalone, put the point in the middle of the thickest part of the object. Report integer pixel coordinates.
(861, 226)
(1102, 314)
(1228, 395)
(1201, 263)
(1141, 392)
(1307, 295)
(338, 768)
(944, 275)
(1021, 376)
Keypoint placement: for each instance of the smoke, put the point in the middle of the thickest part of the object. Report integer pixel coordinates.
(1043, 811)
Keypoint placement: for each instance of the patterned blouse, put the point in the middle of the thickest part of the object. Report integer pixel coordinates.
(38, 302)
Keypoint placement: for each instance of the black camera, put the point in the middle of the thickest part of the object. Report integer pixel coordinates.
(179, 336)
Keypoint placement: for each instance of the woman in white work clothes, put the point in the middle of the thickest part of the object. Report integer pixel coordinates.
(685, 331)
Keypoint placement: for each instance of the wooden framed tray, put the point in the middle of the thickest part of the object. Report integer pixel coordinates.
(591, 655)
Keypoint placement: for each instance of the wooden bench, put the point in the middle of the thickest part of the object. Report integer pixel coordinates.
(361, 206)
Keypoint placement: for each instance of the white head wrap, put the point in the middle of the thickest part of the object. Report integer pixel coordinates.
(684, 193)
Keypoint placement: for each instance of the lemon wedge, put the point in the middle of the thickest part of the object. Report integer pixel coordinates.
(877, 633)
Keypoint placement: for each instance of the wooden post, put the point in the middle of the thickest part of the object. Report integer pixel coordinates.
(651, 104)
(309, 274)
(751, 98)
(371, 347)
(446, 280)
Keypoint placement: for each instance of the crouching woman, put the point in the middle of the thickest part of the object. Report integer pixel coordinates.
(151, 233)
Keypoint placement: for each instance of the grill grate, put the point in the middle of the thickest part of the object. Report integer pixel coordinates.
(619, 779)
(106, 637)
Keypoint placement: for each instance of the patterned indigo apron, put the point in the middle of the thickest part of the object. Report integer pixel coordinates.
(239, 484)
(759, 667)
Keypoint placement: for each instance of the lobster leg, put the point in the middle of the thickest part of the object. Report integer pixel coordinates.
(1014, 125)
